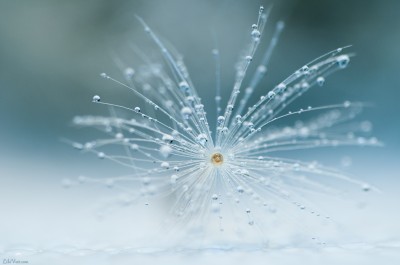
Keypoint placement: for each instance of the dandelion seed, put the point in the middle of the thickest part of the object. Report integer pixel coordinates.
(173, 151)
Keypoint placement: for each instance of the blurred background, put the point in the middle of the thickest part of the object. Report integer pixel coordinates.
(51, 55)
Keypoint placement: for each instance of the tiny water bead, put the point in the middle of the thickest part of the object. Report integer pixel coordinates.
(217, 159)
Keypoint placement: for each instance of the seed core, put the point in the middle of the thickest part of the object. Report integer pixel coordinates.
(217, 159)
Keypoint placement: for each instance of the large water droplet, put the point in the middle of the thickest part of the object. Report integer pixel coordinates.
(167, 138)
(96, 98)
(165, 151)
(321, 81)
(128, 73)
(202, 139)
(343, 61)
(186, 112)
(271, 94)
(184, 86)
(165, 165)
(255, 34)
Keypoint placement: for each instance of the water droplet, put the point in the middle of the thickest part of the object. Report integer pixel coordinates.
(321, 81)
(186, 112)
(220, 120)
(281, 88)
(199, 107)
(146, 180)
(215, 207)
(167, 138)
(271, 94)
(190, 99)
(184, 86)
(305, 69)
(134, 147)
(137, 109)
(249, 58)
(224, 129)
(77, 146)
(165, 151)
(240, 189)
(173, 179)
(346, 104)
(366, 187)
(202, 139)
(128, 73)
(343, 61)
(361, 140)
(373, 141)
(101, 155)
(238, 118)
(366, 126)
(262, 69)
(89, 145)
(104, 75)
(96, 98)
(305, 85)
(255, 34)
(119, 136)
(280, 25)
(165, 165)
(214, 197)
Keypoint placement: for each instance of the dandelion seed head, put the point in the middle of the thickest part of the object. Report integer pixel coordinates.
(172, 150)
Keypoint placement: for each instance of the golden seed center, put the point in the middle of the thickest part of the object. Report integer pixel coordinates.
(217, 159)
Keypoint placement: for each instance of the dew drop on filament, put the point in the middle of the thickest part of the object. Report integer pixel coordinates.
(96, 98)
